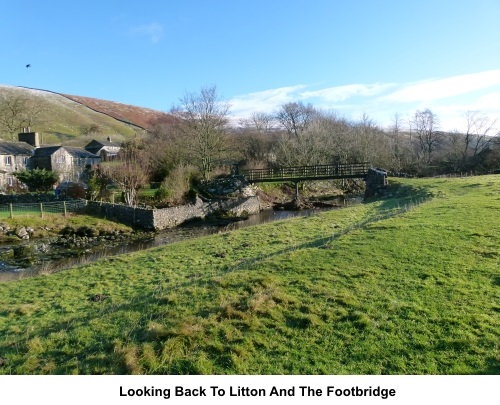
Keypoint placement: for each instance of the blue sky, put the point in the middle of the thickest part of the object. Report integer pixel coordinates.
(375, 57)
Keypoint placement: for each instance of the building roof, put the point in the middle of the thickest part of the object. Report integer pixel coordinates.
(110, 143)
(95, 146)
(80, 153)
(73, 151)
(15, 148)
(46, 150)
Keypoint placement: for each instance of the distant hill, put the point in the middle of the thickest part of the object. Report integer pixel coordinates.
(69, 118)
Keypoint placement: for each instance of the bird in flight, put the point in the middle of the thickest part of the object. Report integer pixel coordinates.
(28, 65)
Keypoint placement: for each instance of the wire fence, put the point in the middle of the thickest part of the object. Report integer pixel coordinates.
(40, 209)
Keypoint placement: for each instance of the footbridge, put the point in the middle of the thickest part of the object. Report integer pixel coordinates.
(297, 174)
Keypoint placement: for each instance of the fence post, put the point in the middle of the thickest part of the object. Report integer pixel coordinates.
(64, 206)
(41, 210)
(11, 211)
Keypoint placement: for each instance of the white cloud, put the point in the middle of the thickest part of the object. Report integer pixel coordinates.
(154, 31)
(489, 101)
(448, 97)
(264, 101)
(435, 89)
(342, 93)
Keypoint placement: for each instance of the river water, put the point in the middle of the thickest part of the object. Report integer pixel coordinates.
(195, 229)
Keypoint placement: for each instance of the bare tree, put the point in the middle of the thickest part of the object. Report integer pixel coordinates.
(295, 117)
(425, 129)
(400, 146)
(17, 112)
(203, 118)
(299, 145)
(259, 122)
(453, 160)
(335, 133)
(299, 151)
(479, 134)
(165, 146)
(130, 172)
(367, 143)
(256, 138)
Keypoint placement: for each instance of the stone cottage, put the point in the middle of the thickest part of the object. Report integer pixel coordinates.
(14, 156)
(70, 162)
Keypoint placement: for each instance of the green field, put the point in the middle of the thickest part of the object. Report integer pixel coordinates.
(409, 284)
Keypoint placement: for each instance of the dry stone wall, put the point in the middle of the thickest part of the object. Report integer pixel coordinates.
(135, 217)
(158, 219)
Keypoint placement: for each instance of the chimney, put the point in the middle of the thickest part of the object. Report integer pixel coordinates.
(31, 138)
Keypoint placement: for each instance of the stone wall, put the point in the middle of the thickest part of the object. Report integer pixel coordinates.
(27, 198)
(135, 217)
(170, 217)
(376, 181)
(157, 219)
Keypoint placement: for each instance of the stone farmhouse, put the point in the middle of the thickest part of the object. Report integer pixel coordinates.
(72, 163)
(69, 162)
(107, 150)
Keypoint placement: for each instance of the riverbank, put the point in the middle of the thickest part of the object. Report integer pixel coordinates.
(52, 225)
(279, 196)
(33, 245)
(52, 255)
(404, 285)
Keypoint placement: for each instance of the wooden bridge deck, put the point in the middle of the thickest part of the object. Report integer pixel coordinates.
(302, 173)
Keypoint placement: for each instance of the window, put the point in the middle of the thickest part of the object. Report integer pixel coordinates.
(8, 160)
(10, 181)
(25, 160)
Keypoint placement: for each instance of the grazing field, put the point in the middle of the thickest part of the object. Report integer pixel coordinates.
(408, 284)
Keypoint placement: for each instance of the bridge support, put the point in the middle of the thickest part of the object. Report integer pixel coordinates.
(296, 190)
(376, 181)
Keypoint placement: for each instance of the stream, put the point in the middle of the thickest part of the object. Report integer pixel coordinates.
(10, 272)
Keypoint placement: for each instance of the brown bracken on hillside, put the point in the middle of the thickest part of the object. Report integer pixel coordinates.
(138, 116)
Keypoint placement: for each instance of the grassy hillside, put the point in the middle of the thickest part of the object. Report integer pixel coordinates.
(406, 285)
(67, 117)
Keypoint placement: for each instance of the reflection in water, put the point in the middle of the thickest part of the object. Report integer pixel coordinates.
(188, 231)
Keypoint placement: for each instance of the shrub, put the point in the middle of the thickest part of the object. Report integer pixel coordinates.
(37, 179)
(162, 193)
(67, 231)
(86, 231)
(178, 182)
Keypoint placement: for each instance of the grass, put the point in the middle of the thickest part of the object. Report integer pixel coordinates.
(147, 192)
(62, 120)
(51, 224)
(409, 284)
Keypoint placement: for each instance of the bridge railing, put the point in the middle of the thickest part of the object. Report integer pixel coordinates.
(316, 171)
